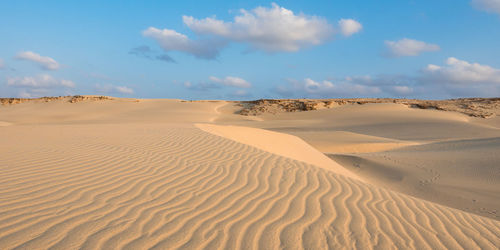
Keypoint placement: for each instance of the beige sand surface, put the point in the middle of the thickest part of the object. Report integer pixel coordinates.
(277, 143)
(130, 174)
(464, 174)
(445, 157)
(349, 142)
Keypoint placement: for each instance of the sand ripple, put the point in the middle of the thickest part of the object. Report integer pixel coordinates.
(178, 187)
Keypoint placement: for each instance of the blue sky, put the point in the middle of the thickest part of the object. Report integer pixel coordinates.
(251, 49)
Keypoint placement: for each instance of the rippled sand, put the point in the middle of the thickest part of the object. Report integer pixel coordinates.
(149, 174)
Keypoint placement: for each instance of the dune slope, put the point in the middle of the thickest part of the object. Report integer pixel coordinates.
(463, 174)
(281, 144)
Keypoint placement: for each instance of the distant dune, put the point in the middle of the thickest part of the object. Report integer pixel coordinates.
(107, 173)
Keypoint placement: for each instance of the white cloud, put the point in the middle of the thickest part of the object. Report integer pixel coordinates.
(409, 47)
(44, 62)
(269, 29)
(462, 72)
(231, 81)
(43, 81)
(457, 78)
(348, 27)
(40, 85)
(170, 40)
(112, 89)
(487, 5)
(2, 64)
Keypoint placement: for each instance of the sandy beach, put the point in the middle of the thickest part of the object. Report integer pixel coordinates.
(118, 173)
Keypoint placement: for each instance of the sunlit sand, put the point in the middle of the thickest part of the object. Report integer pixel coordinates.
(108, 173)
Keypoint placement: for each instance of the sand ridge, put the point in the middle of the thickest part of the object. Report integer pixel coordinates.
(276, 143)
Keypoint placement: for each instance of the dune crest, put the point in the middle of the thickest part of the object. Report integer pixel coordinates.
(277, 143)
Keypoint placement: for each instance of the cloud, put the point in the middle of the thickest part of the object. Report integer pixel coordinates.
(146, 52)
(349, 27)
(40, 85)
(112, 89)
(487, 5)
(2, 64)
(408, 47)
(44, 62)
(269, 29)
(457, 78)
(170, 40)
(37, 82)
(461, 72)
(231, 81)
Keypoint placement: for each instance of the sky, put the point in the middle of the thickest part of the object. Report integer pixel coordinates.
(241, 50)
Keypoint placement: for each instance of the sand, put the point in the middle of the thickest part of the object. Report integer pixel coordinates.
(170, 174)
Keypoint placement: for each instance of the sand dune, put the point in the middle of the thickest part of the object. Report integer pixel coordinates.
(445, 157)
(127, 179)
(277, 143)
(182, 187)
